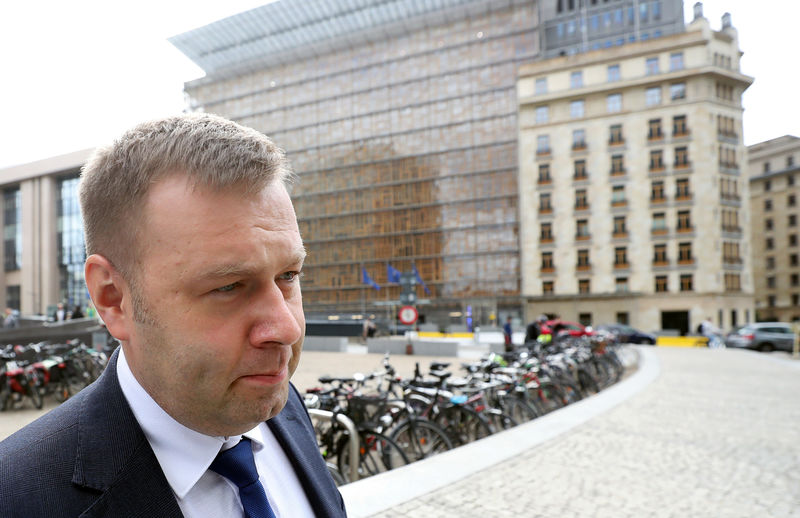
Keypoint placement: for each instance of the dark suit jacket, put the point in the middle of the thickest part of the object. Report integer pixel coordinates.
(90, 458)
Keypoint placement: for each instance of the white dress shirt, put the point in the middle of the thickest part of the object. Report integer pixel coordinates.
(185, 455)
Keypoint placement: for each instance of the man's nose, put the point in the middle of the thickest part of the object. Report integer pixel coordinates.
(278, 318)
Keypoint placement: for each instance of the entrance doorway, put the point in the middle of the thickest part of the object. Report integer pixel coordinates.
(675, 321)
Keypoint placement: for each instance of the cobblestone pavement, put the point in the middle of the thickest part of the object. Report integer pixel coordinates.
(717, 434)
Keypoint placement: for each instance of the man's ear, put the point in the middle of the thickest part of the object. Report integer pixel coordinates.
(110, 295)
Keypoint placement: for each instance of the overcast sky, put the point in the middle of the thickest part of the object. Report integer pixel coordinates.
(77, 73)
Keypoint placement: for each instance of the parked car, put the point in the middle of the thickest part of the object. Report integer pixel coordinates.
(557, 327)
(762, 336)
(626, 334)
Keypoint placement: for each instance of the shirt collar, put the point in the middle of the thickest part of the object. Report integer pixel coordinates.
(184, 454)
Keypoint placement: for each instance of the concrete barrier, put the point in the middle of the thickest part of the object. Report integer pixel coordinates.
(419, 347)
(325, 343)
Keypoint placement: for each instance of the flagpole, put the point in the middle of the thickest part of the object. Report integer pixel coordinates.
(363, 295)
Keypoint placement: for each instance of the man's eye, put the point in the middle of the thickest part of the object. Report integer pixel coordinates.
(227, 288)
(290, 276)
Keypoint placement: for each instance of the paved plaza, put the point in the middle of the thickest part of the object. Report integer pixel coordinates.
(693, 433)
(711, 433)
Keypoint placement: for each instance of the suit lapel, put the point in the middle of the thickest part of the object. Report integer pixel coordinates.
(293, 430)
(114, 457)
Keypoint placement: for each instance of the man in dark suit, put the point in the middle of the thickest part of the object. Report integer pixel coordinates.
(194, 261)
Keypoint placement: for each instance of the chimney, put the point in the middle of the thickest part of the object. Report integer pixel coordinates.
(726, 21)
(698, 10)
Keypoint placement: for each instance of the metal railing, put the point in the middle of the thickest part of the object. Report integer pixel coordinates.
(352, 440)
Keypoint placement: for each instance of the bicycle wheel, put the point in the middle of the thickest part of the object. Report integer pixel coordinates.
(463, 424)
(519, 410)
(499, 420)
(377, 453)
(420, 438)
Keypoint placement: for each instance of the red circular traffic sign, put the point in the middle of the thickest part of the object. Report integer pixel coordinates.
(408, 315)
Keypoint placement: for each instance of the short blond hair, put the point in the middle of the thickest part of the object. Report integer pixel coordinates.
(213, 152)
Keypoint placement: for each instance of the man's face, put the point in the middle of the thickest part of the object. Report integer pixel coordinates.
(223, 320)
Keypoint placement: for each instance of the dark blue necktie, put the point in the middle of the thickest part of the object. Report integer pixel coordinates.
(238, 465)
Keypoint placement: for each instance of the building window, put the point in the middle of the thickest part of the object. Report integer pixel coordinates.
(766, 167)
(733, 283)
(682, 189)
(659, 222)
(794, 279)
(679, 128)
(654, 129)
(768, 205)
(542, 114)
(584, 286)
(676, 61)
(656, 160)
(578, 139)
(657, 191)
(548, 287)
(581, 201)
(620, 228)
(618, 195)
(684, 221)
(576, 79)
(771, 282)
(544, 173)
(13, 300)
(547, 262)
(546, 234)
(544, 202)
(12, 230)
(652, 96)
(685, 253)
(614, 103)
(789, 162)
(621, 284)
(543, 144)
(615, 134)
(613, 73)
(771, 301)
(661, 283)
(686, 282)
(576, 109)
(792, 259)
(582, 229)
(660, 255)
(795, 301)
(677, 91)
(791, 201)
(767, 185)
(580, 170)
(583, 259)
(681, 157)
(620, 257)
(768, 224)
(540, 86)
(651, 65)
(792, 239)
(71, 247)
(770, 263)
(769, 244)
(617, 164)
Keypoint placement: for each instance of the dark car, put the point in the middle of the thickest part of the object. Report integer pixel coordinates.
(626, 334)
(762, 336)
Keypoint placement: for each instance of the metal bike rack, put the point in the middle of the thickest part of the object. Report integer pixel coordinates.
(352, 441)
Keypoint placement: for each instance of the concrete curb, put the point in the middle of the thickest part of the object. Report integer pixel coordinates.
(381, 492)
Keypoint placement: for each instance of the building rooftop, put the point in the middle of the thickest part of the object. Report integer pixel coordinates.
(287, 30)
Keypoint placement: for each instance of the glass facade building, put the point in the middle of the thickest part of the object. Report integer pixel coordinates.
(405, 148)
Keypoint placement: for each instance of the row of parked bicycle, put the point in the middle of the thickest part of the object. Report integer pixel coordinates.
(36, 371)
(402, 420)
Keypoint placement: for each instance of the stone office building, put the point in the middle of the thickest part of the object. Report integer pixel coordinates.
(633, 202)
(774, 171)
